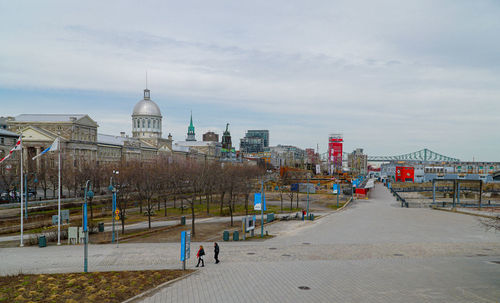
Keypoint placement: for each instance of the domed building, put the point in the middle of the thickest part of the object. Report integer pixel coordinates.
(147, 122)
(146, 119)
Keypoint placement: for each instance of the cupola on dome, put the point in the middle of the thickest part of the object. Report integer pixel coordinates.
(146, 107)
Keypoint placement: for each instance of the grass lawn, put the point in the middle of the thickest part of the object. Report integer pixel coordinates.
(114, 286)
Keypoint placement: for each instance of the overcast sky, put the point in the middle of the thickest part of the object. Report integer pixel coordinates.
(392, 76)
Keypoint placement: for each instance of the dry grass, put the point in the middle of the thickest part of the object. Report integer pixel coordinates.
(115, 286)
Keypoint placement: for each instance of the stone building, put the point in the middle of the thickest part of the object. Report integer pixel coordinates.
(357, 162)
(147, 123)
(80, 141)
(211, 136)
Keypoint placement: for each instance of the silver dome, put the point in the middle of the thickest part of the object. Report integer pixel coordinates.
(146, 107)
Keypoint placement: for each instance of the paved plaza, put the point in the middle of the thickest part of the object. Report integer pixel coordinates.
(372, 251)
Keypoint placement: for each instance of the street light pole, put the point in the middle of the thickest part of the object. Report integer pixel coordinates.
(338, 193)
(308, 177)
(85, 230)
(113, 189)
(262, 208)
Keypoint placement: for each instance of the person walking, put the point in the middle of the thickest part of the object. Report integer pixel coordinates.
(200, 254)
(216, 252)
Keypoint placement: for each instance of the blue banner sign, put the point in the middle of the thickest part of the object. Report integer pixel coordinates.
(85, 217)
(257, 201)
(183, 246)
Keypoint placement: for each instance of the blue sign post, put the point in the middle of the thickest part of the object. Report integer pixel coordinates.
(85, 229)
(185, 247)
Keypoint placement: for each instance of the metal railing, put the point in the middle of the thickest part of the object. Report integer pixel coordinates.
(399, 198)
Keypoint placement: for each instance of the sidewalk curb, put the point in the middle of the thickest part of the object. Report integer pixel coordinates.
(147, 232)
(464, 213)
(157, 288)
(338, 210)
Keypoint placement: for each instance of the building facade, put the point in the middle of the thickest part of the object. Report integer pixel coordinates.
(427, 171)
(357, 162)
(255, 141)
(211, 136)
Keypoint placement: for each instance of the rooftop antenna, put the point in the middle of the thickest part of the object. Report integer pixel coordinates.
(146, 79)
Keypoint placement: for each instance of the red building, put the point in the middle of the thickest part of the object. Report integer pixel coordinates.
(335, 142)
(405, 174)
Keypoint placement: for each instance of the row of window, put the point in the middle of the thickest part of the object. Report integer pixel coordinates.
(146, 123)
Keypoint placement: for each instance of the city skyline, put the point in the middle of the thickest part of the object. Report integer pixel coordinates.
(300, 72)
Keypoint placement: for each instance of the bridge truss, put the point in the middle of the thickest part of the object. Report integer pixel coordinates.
(421, 155)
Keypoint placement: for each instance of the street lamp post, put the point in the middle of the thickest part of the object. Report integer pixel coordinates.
(338, 193)
(308, 178)
(262, 197)
(113, 190)
(86, 230)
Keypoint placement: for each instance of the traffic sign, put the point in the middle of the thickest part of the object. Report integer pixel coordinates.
(117, 212)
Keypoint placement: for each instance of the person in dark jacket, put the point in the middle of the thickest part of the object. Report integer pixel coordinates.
(200, 254)
(216, 252)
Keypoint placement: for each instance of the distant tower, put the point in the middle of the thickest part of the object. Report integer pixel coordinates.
(226, 139)
(146, 119)
(335, 144)
(191, 136)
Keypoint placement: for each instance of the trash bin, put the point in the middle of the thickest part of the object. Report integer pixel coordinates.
(225, 236)
(101, 227)
(270, 217)
(42, 241)
(236, 235)
(183, 220)
(311, 217)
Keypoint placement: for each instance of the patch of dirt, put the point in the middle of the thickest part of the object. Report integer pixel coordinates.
(115, 286)
(204, 232)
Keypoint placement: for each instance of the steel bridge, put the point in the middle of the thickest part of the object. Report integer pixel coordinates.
(421, 155)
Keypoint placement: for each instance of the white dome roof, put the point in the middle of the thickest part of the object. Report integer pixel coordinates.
(146, 107)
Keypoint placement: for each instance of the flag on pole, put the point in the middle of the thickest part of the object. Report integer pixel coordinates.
(53, 147)
(16, 147)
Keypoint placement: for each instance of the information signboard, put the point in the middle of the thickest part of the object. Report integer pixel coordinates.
(250, 224)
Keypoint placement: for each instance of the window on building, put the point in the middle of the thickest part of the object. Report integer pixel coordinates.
(143, 123)
(2, 141)
(149, 123)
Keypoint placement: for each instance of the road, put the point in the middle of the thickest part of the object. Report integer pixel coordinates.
(373, 251)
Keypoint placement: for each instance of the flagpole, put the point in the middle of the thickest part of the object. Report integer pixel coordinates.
(59, 197)
(21, 191)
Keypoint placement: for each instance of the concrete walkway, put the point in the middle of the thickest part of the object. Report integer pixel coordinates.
(373, 251)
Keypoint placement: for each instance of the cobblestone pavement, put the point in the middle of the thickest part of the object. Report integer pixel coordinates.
(373, 251)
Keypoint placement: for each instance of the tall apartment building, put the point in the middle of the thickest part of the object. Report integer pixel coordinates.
(255, 141)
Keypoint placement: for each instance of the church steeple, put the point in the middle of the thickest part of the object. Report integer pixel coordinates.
(191, 135)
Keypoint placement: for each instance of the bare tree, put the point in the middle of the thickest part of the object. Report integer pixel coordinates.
(147, 184)
(126, 188)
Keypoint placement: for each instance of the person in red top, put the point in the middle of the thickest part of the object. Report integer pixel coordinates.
(200, 254)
